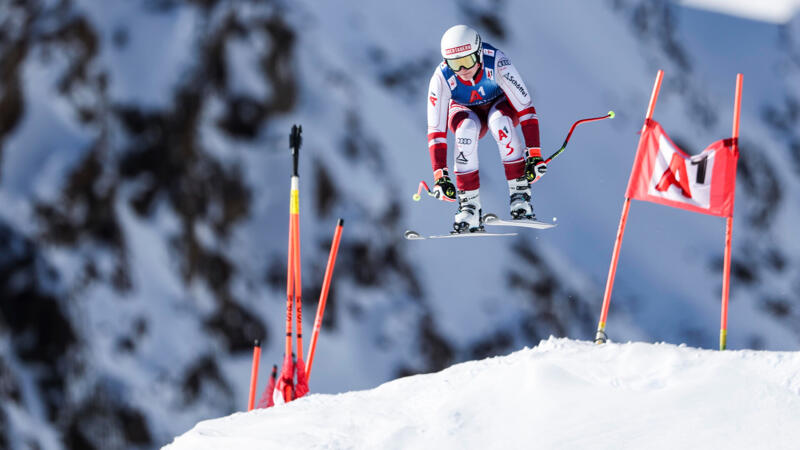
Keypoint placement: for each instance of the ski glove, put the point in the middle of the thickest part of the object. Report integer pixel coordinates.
(443, 188)
(535, 168)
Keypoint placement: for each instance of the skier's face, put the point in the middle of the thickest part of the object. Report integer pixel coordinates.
(465, 66)
(468, 74)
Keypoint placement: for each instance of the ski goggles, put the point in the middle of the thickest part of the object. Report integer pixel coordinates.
(465, 62)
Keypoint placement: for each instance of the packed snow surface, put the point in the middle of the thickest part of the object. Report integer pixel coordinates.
(563, 394)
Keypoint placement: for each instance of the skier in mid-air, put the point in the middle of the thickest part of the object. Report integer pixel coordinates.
(474, 90)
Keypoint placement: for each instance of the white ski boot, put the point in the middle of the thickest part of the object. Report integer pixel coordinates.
(468, 218)
(520, 199)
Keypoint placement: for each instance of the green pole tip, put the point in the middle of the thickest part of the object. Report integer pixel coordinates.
(415, 197)
(611, 114)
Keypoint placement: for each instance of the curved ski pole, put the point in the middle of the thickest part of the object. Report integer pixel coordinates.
(610, 115)
(422, 184)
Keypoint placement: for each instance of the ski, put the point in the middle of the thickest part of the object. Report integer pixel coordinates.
(492, 219)
(412, 235)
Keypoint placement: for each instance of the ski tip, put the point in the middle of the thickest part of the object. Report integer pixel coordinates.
(490, 217)
(411, 235)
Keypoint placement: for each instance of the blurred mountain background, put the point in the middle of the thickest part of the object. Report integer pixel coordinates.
(144, 180)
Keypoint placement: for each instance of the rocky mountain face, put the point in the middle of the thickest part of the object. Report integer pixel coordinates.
(770, 267)
(764, 272)
(143, 222)
(139, 158)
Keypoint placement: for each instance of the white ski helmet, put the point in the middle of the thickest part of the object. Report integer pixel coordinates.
(461, 47)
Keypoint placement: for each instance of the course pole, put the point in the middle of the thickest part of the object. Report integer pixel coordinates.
(323, 296)
(600, 336)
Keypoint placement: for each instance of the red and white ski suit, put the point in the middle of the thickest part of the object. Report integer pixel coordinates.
(496, 100)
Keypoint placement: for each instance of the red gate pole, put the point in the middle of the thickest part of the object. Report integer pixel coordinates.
(726, 271)
(323, 295)
(295, 141)
(293, 259)
(298, 280)
(254, 375)
(601, 336)
(289, 289)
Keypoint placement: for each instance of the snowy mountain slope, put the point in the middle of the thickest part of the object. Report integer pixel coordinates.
(778, 11)
(144, 166)
(561, 394)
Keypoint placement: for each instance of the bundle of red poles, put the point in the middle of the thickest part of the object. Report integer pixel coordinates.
(286, 388)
